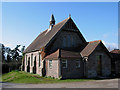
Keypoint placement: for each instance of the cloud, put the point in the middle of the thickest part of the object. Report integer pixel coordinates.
(105, 35)
(110, 45)
(111, 34)
(9, 45)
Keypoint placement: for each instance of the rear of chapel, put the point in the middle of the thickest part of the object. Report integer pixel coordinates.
(61, 51)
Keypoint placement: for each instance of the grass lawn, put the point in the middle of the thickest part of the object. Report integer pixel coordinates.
(24, 77)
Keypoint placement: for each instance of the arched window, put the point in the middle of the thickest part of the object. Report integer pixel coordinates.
(26, 59)
(68, 41)
(72, 40)
(64, 41)
(31, 59)
(28, 66)
(34, 68)
(35, 61)
(39, 59)
(35, 58)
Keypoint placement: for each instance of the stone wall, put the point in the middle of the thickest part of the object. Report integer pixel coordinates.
(72, 71)
(117, 66)
(66, 40)
(91, 64)
(38, 69)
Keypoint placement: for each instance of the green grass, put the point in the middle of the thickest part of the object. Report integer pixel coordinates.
(24, 77)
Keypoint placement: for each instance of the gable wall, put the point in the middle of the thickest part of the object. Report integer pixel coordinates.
(91, 65)
(68, 38)
(65, 40)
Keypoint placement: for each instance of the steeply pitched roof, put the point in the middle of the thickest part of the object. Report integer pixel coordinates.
(90, 47)
(116, 51)
(44, 37)
(63, 54)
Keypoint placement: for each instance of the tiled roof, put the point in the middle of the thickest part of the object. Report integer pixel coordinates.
(54, 55)
(116, 54)
(85, 49)
(44, 37)
(117, 51)
(63, 54)
(69, 54)
(90, 47)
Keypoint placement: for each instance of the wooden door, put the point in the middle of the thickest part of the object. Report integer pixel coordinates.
(99, 65)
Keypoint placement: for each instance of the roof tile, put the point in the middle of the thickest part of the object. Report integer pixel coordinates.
(44, 37)
(90, 47)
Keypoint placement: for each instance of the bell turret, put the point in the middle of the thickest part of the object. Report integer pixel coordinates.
(52, 22)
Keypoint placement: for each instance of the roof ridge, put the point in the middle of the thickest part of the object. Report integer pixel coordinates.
(94, 41)
(88, 49)
(45, 34)
(61, 22)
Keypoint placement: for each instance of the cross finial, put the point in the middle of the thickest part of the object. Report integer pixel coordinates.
(69, 15)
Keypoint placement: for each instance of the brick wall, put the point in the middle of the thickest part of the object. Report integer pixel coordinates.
(53, 71)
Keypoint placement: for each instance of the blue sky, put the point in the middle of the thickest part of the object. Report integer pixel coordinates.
(23, 21)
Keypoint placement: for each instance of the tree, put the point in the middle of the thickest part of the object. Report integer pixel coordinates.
(15, 53)
(12, 57)
(22, 49)
(8, 52)
(3, 53)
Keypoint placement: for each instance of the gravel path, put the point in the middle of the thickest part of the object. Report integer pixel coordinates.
(109, 83)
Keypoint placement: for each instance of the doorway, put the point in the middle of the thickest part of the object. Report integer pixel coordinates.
(99, 65)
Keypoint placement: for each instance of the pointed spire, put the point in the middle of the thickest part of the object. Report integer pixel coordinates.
(52, 22)
(69, 15)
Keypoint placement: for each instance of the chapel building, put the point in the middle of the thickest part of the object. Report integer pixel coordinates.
(61, 51)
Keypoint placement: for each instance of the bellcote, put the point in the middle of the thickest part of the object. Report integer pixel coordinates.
(52, 22)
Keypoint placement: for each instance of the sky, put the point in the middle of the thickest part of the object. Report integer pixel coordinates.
(22, 22)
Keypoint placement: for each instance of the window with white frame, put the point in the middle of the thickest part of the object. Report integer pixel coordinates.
(77, 63)
(64, 63)
(50, 63)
